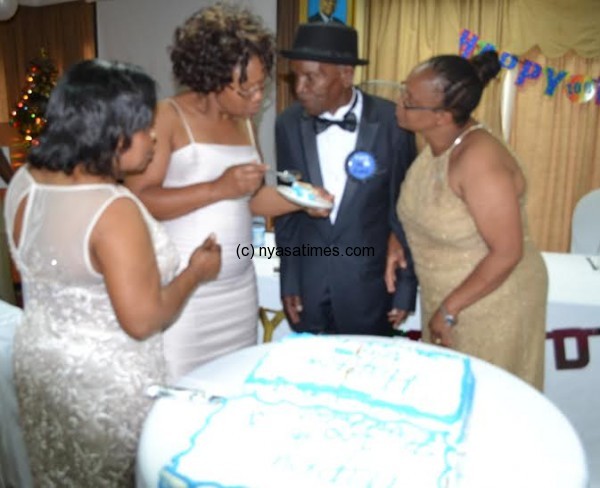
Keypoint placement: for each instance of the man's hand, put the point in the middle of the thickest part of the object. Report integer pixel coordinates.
(292, 306)
(396, 317)
(395, 259)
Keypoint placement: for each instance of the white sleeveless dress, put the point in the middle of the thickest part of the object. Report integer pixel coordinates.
(222, 315)
(80, 378)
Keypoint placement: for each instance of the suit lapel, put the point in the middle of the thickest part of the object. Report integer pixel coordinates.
(367, 131)
(309, 143)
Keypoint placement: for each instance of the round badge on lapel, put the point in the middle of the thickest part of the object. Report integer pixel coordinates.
(361, 165)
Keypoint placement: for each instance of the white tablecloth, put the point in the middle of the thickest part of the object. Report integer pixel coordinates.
(572, 370)
(573, 348)
(572, 357)
(517, 437)
(14, 467)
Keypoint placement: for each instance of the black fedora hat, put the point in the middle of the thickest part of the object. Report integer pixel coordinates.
(326, 43)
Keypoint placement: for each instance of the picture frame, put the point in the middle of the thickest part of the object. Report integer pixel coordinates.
(343, 11)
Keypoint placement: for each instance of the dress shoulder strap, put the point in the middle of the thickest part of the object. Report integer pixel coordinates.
(251, 133)
(177, 108)
(252, 138)
(463, 134)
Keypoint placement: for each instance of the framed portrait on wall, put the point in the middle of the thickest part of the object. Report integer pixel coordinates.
(335, 11)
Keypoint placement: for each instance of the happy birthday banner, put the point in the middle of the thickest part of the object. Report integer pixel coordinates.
(578, 88)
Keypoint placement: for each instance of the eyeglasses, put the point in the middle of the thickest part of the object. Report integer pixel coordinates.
(251, 92)
(407, 106)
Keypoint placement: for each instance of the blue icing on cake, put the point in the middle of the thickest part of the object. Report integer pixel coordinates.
(303, 191)
(329, 411)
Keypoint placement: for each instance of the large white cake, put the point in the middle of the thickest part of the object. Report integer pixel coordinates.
(329, 411)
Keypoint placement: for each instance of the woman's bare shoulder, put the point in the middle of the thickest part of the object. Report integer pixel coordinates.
(482, 151)
(120, 217)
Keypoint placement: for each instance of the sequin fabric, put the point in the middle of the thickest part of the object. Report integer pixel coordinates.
(80, 378)
(507, 327)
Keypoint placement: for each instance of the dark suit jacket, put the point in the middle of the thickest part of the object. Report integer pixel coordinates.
(345, 293)
(317, 18)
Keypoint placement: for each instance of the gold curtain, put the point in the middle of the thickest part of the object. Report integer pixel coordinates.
(288, 15)
(555, 26)
(67, 31)
(558, 143)
(555, 139)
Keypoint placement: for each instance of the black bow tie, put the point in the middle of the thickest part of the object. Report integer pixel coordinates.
(348, 123)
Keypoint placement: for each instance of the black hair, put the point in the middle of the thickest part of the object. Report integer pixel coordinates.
(94, 111)
(213, 42)
(463, 80)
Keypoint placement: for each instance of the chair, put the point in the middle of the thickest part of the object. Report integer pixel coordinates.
(585, 225)
(270, 319)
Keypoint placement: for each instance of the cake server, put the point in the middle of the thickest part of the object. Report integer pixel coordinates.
(287, 176)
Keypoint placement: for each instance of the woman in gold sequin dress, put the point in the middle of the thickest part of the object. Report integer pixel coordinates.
(483, 284)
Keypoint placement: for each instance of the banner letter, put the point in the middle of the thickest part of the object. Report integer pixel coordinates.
(468, 43)
(581, 339)
(553, 80)
(508, 61)
(530, 70)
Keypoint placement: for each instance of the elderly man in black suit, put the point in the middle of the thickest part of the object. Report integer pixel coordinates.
(339, 138)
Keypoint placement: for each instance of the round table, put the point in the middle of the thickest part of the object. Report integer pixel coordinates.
(516, 438)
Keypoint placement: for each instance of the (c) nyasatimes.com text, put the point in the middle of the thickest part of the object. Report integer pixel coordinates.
(305, 251)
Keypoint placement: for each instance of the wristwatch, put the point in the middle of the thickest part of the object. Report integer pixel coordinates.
(448, 317)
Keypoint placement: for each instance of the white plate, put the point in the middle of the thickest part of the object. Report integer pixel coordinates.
(291, 195)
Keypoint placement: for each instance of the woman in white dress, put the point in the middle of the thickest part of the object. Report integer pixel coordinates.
(206, 175)
(98, 276)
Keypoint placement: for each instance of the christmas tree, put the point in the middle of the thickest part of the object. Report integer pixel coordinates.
(28, 114)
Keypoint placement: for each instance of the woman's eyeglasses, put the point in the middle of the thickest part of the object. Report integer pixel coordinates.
(407, 106)
(249, 94)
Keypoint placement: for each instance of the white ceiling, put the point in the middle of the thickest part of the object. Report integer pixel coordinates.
(43, 3)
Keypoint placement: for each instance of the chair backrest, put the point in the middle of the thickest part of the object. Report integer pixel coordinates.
(585, 225)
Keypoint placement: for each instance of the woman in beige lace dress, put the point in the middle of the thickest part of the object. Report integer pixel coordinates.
(98, 277)
(483, 284)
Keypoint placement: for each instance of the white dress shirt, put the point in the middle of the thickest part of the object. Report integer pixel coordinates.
(334, 145)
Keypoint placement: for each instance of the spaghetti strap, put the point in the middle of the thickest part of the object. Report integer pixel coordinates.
(252, 138)
(462, 135)
(251, 133)
(183, 119)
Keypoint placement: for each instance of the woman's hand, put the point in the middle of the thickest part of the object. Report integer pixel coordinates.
(441, 332)
(242, 179)
(206, 259)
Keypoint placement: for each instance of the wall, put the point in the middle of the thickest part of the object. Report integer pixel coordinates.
(140, 31)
